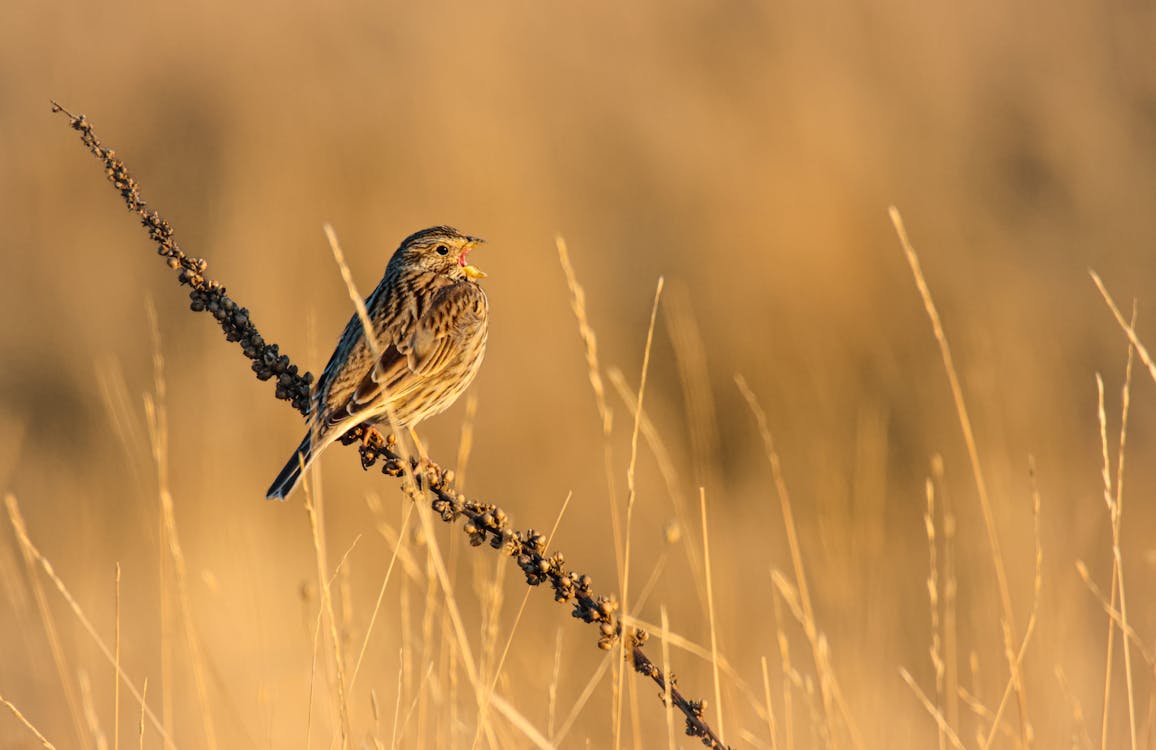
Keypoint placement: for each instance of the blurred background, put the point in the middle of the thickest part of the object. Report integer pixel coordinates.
(745, 152)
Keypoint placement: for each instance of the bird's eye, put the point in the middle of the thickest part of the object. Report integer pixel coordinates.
(443, 250)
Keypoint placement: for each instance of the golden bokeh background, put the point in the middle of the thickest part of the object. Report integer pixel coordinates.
(746, 152)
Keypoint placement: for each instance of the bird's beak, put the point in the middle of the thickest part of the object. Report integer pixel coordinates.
(469, 269)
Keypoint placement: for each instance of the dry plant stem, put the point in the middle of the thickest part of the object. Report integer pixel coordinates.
(315, 521)
(1114, 614)
(157, 418)
(829, 686)
(594, 373)
(936, 714)
(670, 741)
(1085, 739)
(49, 624)
(116, 664)
(156, 424)
(34, 555)
(141, 722)
(1017, 658)
(670, 478)
(933, 605)
(493, 684)
(523, 725)
(631, 496)
(397, 701)
(358, 301)
(1117, 560)
(23, 720)
(380, 597)
(1125, 402)
(710, 609)
(552, 691)
(1129, 331)
(769, 705)
(1009, 626)
(690, 355)
(317, 637)
(411, 487)
(583, 698)
(950, 653)
(483, 522)
(696, 649)
(205, 295)
(785, 664)
(90, 716)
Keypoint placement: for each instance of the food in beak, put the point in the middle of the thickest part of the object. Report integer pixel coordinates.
(469, 269)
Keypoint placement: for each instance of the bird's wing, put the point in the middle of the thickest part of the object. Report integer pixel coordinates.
(452, 320)
(420, 351)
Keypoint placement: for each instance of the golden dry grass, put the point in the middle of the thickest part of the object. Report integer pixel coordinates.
(744, 152)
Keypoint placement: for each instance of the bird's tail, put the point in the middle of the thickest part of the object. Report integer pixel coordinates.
(285, 482)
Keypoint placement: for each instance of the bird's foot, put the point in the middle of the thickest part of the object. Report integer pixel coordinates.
(373, 444)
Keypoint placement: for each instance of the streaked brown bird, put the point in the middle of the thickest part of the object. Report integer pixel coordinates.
(430, 321)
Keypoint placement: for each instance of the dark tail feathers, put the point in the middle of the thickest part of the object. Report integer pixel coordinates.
(285, 482)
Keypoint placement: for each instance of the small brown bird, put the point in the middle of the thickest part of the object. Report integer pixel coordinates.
(430, 320)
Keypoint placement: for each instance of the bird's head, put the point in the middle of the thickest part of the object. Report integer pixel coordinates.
(440, 250)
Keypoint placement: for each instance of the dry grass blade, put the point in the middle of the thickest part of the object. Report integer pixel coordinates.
(690, 354)
(397, 700)
(666, 676)
(784, 647)
(1085, 739)
(589, 340)
(157, 417)
(582, 700)
(1141, 350)
(48, 622)
(466, 443)
(94, 729)
(443, 579)
(950, 654)
(354, 296)
(1126, 400)
(936, 714)
(141, 721)
(28, 724)
(828, 683)
(323, 580)
(631, 496)
(802, 609)
(933, 604)
(380, 596)
(631, 490)
(317, 637)
(493, 683)
(669, 472)
(1114, 614)
(770, 705)
(116, 663)
(710, 612)
(521, 723)
(26, 544)
(1027, 733)
(552, 691)
(594, 374)
(1008, 613)
(1110, 500)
